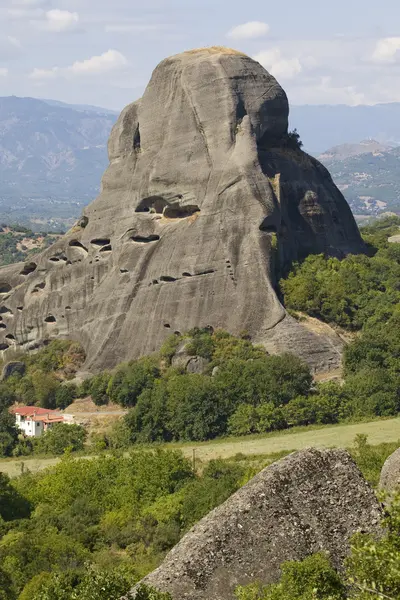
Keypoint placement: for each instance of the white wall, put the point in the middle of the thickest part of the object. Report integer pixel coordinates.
(29, 427)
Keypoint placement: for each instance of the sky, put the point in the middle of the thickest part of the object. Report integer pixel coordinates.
(102, 52)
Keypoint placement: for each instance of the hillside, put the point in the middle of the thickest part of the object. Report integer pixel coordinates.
(51, 160)
(368, 174)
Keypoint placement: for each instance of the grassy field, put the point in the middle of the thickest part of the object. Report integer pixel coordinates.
(341, 436)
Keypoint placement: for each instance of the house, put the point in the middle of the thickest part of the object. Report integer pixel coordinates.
(33, 420)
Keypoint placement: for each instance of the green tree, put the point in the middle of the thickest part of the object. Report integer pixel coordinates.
(61, 437)
(130, 380)
(12, 504)
(65, 395)
(8, 433)
(98, 387)
(312, 579)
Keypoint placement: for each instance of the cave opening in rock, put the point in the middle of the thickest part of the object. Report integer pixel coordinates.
(152, 204)
(28, 268)
(100, 242)
(50, 319)
(77, 244)
(180, 212)
(136, 139)
(142, 239)
(167, 278)
(268, 226)
(5, 288)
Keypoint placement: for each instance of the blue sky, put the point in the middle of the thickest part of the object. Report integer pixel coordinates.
(102, 52)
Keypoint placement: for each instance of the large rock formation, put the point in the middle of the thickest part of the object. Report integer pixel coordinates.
(390, 474)
(202, 203)
(310, 501)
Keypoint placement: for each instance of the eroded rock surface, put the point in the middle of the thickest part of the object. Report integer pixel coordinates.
(310, 501)
(201, 205)
(390, 474)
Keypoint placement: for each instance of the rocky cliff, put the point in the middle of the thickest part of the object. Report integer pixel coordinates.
(310, 501)
(202, 204)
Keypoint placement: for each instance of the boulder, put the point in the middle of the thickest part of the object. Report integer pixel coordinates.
(12, 368)
(390, 474)
(204, 202)
(310, 501)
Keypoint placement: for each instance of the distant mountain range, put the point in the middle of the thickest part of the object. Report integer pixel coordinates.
(368, 175)
(52, 156)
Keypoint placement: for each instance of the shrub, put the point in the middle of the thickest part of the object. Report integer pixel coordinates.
(61, 437)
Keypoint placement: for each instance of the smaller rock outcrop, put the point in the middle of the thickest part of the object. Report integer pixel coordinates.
(310, 501)
(11, 368)
(390, 474)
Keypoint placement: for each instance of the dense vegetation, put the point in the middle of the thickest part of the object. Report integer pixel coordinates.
(88, 529)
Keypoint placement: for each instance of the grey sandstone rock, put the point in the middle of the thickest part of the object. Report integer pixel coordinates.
(390, 474)
(310, 501)
(201, 205)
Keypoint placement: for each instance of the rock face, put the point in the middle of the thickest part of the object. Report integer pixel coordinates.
(309, 501)
(390, 475)
(202, 204)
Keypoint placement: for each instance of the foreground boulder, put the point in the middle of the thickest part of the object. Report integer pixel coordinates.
(205, 200)
(309, 501)
(390, 474)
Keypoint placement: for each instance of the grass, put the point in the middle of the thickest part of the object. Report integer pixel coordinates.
(254, 448)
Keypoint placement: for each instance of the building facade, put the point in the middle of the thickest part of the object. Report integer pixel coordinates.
(33, 421)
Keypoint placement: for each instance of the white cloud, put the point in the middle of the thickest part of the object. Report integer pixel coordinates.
(57, 20)
(250, 30)
(3, 72)
(387, 50)
(108, 62)
(278, 65)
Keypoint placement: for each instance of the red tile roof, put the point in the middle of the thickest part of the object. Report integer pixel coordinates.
(33, 411)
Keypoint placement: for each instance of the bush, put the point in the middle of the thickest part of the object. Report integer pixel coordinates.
(65, 395)
(98, 386)
(312, 579)
(130, 380)
(8, 433)
(60, 438)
